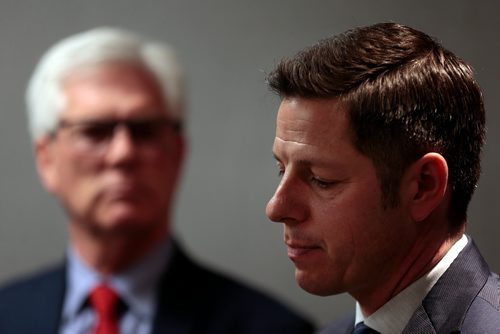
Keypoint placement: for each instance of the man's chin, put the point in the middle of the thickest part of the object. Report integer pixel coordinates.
(316, 284)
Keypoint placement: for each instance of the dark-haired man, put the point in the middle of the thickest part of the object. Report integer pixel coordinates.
(378, 144)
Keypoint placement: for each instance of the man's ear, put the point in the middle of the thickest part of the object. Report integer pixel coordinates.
(427, 181)
(45, 163)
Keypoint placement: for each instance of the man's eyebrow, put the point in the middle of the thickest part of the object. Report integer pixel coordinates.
(313, 161)
(302, 162)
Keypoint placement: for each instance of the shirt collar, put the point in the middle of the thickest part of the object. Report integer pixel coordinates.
(135, 285)
(393, 316)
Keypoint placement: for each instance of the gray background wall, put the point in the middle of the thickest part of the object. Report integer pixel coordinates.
(226, 47)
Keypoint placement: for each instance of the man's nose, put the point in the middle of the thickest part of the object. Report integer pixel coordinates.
(288, 204)
(121, 146)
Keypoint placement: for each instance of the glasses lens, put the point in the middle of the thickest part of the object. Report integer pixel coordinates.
(94, 132)
(147, 131)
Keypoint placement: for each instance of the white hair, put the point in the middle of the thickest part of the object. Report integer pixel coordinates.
(45, 97)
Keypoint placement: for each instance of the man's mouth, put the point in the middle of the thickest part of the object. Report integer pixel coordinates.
(297, 251)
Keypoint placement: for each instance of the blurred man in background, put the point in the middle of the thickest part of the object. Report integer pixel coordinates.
(378, 141)
(106, 117)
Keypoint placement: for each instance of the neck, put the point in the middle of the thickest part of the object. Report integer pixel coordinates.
(426, 251)
(112, 252)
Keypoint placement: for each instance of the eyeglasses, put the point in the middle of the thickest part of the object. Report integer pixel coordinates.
(94, 136)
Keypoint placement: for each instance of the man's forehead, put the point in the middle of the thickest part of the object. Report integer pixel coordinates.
(119, 90)
(301, 119)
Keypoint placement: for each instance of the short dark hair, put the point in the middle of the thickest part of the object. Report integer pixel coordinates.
(405, 95)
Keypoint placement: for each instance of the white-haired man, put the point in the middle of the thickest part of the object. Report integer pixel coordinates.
(106, 113)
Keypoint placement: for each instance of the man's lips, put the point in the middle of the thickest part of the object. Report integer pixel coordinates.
(123, 191)
(297, 251)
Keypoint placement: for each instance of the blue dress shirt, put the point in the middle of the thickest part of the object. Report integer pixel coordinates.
(136, 287)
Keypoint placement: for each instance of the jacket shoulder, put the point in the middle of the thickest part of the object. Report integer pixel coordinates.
(255, 308)
(32, 301)
(30, 284)
(483, 315)
(344, 325)
(225, 304)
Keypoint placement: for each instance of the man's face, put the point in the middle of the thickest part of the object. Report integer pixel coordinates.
(113, 178)
(329, 200)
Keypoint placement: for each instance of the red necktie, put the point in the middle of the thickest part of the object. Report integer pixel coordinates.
(105, 303)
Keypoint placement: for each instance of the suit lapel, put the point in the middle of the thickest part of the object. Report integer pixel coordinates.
(419, 323)
(444, 308)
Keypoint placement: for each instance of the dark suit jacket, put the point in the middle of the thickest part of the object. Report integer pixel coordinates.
(192, 300)
(466, 299)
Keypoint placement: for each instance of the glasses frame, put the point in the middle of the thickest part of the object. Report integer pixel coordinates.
(94, 136)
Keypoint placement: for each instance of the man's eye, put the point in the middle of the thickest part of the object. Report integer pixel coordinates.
(96, 132)
(322, 183)
(281, 168)
(146, 131)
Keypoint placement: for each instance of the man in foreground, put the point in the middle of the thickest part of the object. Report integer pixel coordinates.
(378, 143)
(106, 115)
